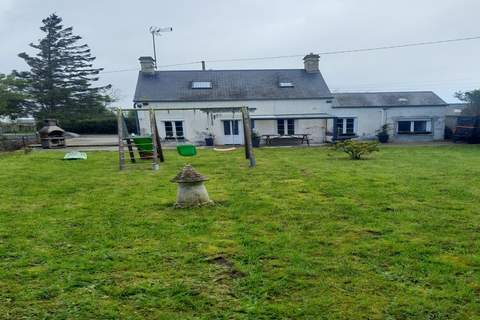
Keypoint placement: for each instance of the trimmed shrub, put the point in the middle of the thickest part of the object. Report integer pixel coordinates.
(356, 149)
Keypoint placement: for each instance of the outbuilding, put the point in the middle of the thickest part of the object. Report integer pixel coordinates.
(410, 116)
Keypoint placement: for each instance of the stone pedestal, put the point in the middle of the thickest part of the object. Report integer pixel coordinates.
(191, 191)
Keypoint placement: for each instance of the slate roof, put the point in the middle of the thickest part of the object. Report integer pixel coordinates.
(228, 85)
(387, 99)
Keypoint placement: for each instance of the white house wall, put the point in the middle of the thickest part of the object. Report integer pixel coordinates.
(196, 122)
(367, 120)
(266, 126)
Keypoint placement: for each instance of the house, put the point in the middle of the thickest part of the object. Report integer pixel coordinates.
(284, 102)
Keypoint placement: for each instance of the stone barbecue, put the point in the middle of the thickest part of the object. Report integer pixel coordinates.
(51, 135)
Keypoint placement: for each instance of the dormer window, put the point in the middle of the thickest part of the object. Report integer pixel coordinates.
(201, 85)
(285, 84)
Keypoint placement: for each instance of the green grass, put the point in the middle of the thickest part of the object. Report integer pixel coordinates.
(307, 234)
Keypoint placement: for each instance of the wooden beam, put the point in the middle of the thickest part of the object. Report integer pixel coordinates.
(245, 135)
(155, 165)
(121, 151)
(206, 109)
(157, 140)
(247, 151)
(248, 137)
(128, 140)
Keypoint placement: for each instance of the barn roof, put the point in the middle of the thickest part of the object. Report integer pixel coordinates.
(230, 85)
(387, 99)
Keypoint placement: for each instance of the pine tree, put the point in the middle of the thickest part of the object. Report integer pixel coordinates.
(61, 75)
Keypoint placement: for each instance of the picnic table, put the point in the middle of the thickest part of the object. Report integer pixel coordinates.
(302, 137)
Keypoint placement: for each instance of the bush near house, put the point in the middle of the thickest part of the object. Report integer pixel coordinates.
(301, 236)
(356, 149)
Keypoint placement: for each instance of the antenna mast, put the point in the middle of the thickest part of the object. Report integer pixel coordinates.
(155, 31)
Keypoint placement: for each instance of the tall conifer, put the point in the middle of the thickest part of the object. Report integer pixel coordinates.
(61, 75)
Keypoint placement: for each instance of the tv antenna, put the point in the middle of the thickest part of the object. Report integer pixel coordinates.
(156, 31)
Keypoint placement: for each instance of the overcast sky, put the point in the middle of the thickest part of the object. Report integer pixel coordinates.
(117, 33)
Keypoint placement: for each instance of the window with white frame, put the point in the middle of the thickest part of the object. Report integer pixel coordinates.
(286, 127)
(173, 129)
(414, 126)
(230, 127)
(345, 126)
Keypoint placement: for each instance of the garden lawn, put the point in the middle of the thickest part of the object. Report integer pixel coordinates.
(307, 234)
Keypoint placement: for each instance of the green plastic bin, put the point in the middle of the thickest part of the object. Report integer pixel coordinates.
(187, 150)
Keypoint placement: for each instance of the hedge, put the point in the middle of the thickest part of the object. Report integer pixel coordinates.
(15, 142)
(94, 126)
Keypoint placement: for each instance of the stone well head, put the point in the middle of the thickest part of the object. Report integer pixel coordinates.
(189, 175)
(191, 191)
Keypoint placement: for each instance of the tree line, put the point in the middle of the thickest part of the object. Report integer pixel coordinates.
(60, 82)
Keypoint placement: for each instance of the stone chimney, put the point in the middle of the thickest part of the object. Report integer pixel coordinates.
(311, 63)
(147, 65)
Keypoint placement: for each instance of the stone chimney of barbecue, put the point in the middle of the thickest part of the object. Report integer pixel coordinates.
(311, 63)
(147, 65)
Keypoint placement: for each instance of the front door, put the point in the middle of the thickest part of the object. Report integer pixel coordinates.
(232, 132)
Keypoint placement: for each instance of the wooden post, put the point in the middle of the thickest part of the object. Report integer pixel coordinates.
(157, 140)
(248, 136)
(128, 140)
(247, 151)
(155, 165)
(121, 151)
